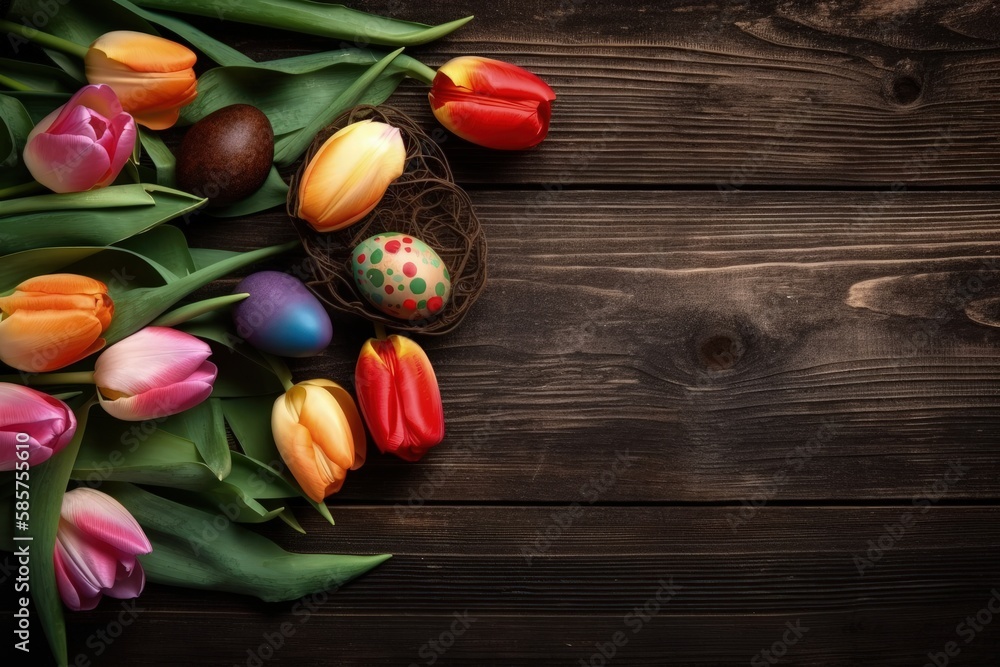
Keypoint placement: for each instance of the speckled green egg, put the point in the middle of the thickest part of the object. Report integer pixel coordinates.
(401, 276)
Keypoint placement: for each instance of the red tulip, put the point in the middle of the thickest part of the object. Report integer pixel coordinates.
(399, 397)
(492, 103)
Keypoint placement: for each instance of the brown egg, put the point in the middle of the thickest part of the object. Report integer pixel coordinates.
(226, 156)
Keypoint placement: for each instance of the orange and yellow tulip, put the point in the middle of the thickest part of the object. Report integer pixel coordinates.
(319, 435)
(349, 174)
(491, 103)
(399, 397)
(52, 321)
(152, 76)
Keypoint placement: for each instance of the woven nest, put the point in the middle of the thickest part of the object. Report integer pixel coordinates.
(424, 202)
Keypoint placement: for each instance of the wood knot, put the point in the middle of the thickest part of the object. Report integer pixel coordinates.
(721, 352)
(905, 85)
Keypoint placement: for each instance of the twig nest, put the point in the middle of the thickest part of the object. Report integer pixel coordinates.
(423, 203)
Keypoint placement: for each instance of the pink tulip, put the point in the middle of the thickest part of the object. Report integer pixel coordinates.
(83, 144)
(96, 548)
(154, 373)
(30, 418)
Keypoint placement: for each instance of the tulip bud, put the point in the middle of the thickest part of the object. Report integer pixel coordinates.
(399, 397)
(32, 422)
(83, 144)
(153, 77)
(52, 321)
(491, 103)
(319, 435)
(96, 547)
(349, 174)
(155, 372)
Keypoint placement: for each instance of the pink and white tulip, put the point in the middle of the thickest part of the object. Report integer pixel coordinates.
(83, 144)
(28, 417)
(96, 548)
(155, 372)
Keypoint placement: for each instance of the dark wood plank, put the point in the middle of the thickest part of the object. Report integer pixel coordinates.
(732, 590)
(735, 345)
(864, 92)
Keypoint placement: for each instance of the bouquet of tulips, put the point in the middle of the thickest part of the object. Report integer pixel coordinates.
(121, 393)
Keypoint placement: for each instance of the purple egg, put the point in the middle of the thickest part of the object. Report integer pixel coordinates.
(281, 316)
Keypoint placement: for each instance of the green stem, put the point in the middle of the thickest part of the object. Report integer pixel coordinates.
(379, 330)
(79, 377)
(18, 190)
(13, 84)
(44, 39)
(419, 71)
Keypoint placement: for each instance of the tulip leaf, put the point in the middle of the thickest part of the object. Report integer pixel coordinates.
(165, 245)
(288, 516)
(43, 78)
(98, 217)
(78, 22)
(196, 309)
(203, 257)
(313, 18)
(273, 193)
(205, 426)
(293, 91)
(223, 505)
(235, 559)
(16, 124)
(38, 104)
(213, 48)
(118, 268)
(250, 420)
(136, 308)
(162, 158)
(48, 484)
(289, 147)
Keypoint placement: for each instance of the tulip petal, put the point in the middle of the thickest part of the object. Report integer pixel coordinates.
(46, 340)
(153, 357)
(128, 584)
(65, 582)
(103, 518)
(304, 459)
(91, 565)
(162, 401)
(143, 52)
(124, 132)
(495, 78)
(63, 283)
(66, 162)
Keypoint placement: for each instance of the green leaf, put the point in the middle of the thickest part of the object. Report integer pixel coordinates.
(203, 257)
(289, 518)
(48, 484)
(243, 370)
(293, 91)
(15, 124)
(289, 147)
(161, 156)
(273, 193)
(197, 309)
(234, 559)
(250, 420)
(165, 245)
(79, 22)
(205, 426)
(98, 217)
(138, 307)
(313, 18)
(120, 269)
(39, 77)
(38, 105)
(213, 48)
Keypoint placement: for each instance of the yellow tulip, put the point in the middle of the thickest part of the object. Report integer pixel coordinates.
(152, 76)
(349, 174)
(319, 434)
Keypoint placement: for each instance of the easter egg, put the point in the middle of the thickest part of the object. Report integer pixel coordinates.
(401, 276)
(281, 316)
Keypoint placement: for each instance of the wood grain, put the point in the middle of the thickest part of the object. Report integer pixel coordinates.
(843, 92)
(731, 592)
(719, 339)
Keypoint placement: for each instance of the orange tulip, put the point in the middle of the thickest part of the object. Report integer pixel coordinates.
(153, 77)
(319, 435)
(51, 321)
(349, 174)
(399, 397)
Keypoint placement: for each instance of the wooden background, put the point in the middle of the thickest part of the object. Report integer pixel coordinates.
(756, 263)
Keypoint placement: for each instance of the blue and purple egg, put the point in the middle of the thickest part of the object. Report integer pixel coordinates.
(281, 316)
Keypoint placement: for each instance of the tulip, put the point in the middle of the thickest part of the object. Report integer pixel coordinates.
(349, 174)
(32, 422)
(83, 144)
(491, 103)
(154, 373)
(52, 321)
(399, 397)
(319, 435)
(96, 547)
(153, 77)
